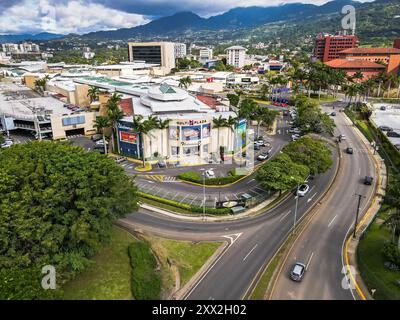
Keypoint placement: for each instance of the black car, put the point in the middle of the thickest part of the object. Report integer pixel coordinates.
(333, 114)
(393, 134)
(349, 150)
(386, 128)
(162, 164)
(368, 180)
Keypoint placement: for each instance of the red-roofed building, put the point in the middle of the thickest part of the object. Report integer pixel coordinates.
(210, 101)
(352, 66)
(389, 56)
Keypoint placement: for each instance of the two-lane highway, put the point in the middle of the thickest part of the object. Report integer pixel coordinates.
(320, 246)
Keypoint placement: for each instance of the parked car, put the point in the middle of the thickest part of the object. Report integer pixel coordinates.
(263, 156)
(368, 180)
(210, 174)
(386, 128)
(349, 150)
(297, 271)
(393, 134)
(383, 108)
(96, 137)
(257, 147)
(162, 164)
(119, 159)
(333, 114)
(303, 189)
(295, 137)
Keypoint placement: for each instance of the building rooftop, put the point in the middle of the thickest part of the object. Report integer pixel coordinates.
(371, 51)
(235, 48)
(354, 64)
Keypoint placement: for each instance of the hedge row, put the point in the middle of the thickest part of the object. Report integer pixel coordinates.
(189, 208)
(146, 281)
(195, 177)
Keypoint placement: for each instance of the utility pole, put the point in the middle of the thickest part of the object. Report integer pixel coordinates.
(360, 196)
(295, 210)
(204, 196)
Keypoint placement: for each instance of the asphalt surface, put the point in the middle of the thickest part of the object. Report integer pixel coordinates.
(320, 245)
(254, 240)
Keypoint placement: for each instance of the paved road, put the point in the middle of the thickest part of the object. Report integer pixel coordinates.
(255, 239)
(163, 182)
(320, 246)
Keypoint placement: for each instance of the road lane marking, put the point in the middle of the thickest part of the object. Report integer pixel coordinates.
(330, 223)
(309, 260)
(283, 217)
(232, 237)
(311, 198)
(250, 252)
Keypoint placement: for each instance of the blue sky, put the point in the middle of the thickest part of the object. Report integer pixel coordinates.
(82, 16)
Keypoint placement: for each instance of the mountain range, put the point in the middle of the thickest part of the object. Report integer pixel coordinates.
(34, 37)
(237, 18)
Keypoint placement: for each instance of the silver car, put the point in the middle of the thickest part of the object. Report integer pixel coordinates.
(298, 271)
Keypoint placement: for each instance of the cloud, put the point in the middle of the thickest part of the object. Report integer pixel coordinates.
(76, 16)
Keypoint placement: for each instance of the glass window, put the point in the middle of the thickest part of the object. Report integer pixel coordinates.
(175, 151)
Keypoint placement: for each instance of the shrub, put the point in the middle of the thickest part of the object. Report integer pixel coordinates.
(391, 252)
(195, 177)
(146, 281)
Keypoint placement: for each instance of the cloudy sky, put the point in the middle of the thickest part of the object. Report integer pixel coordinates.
(82, 16)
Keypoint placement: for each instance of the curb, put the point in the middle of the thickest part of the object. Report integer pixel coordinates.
(299, 225)
(351, 244)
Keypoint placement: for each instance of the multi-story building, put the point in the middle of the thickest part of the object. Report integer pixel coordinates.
(328, 47)
(180, 50)
(205, 54)
(160, 53)
(236, 56)
(27, 47)
(10, 47)
(388, 56)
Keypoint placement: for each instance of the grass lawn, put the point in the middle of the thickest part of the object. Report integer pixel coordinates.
(109, 278)
(370, 262)
(188, 256)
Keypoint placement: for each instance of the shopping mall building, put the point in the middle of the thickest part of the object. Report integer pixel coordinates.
(190, 138)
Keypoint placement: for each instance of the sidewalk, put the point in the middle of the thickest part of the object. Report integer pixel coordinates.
(374, 206)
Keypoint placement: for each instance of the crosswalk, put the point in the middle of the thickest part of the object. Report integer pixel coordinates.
(159, 178)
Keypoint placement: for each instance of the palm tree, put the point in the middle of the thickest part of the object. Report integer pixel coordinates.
(380, 78)
(114, 114)
(93, 93)
(152, 121)
(392, 78)
(358, 76)
(219, 123)
(162, 125)
(100, 124)
(185, 82)
(142, 127)
(393, 222)
(231, 123)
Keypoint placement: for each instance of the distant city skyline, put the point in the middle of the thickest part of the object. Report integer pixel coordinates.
(83, 16)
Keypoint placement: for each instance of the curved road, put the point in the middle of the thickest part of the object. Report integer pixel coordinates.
(320, 245)
(254, 240)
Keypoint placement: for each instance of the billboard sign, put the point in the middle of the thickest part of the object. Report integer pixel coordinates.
(128, 137)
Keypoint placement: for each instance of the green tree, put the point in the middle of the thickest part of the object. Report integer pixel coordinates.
(101, 123)
(282, 173)
(217, 124)
(233, 99)
(313, 153)
(57, 206)
(93, 93)
(114, 114)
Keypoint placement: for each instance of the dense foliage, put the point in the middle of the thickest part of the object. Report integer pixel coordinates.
(311, 152)
(281, 173)
(57, 205)
(146, 281)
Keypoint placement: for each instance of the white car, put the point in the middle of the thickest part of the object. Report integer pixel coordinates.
(263, 156)
(295, 137)
(303, 189)
(101, 142)
(7, 144)
(210, 174)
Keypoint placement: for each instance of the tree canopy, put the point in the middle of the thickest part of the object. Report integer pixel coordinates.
(57, 205)
(313, 153)
(282, 173)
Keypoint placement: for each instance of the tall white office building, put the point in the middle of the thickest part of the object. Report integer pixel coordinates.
(180, 50)
(236, 56)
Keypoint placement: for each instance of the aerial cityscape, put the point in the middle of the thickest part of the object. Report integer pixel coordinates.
(185, 150)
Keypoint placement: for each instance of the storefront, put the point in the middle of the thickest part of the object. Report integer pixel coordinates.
(129, 140)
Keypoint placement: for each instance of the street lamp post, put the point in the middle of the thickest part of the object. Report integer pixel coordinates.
(360, 196)
(295, 210)
(204, 196)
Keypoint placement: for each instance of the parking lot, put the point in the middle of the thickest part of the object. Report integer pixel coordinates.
(389, 117)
